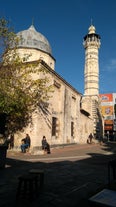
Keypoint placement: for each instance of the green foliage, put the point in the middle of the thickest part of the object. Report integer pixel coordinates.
(21, 91)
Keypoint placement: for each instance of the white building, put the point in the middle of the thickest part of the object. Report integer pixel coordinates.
(70, 116)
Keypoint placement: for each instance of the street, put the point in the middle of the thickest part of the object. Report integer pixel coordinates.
(72, 175)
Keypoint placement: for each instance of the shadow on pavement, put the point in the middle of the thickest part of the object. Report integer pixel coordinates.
(67, 182)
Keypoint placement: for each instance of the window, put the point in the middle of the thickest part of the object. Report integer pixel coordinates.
(72, 128)
(54, 120)
(58, 85)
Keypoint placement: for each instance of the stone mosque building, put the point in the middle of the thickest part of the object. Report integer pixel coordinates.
(70, 116)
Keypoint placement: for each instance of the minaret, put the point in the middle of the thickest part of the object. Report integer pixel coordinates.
(90, 101)
(91, 44)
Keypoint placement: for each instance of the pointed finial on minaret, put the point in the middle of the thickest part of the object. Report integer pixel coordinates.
(91, 21)
(91, 28)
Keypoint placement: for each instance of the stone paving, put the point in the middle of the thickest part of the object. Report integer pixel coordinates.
(72, 175)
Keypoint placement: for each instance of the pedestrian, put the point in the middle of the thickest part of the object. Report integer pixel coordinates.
(45, 145)
(26, 143)
(90, 138)
(11, 141)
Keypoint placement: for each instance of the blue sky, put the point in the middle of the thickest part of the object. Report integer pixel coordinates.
(64, 23)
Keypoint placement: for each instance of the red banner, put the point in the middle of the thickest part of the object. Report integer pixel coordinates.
(106, 97)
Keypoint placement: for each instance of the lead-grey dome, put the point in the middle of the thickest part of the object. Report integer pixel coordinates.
(30, 38)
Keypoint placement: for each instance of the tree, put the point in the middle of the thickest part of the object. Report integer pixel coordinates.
(21, 91)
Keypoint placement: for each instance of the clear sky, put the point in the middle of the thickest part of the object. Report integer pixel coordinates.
(64, 23)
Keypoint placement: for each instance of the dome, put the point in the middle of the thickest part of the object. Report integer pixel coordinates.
(30, 38)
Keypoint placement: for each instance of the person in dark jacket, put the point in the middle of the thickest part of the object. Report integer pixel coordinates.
(45, 145)
(11, 141)
(90, 138)
(26, 143)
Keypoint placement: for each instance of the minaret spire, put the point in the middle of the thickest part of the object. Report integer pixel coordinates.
(91, 21)
(90, 100)
(91, 73)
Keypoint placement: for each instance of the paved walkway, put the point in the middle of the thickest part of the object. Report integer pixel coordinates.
(72, 175)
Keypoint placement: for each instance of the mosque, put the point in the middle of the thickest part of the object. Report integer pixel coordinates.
(70, 116)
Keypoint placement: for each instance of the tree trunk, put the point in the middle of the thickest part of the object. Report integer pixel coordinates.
(3, 152)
